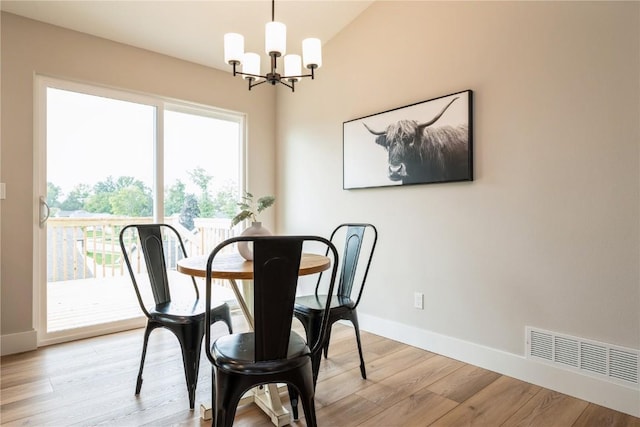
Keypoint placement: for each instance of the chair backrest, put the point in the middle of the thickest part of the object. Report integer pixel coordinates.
(153, 240)
(276, 264)
(352, 257)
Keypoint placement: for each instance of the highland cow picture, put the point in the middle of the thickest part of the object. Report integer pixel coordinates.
(426, 142)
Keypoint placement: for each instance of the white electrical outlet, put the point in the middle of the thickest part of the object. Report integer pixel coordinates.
(418, 300)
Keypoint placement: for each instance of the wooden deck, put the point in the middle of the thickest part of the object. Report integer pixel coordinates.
(87, 302)
(88, 282)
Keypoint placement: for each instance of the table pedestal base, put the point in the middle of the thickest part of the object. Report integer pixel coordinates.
(263, 397)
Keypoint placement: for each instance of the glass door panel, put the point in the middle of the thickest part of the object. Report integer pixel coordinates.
(99, 177)
(202, 176)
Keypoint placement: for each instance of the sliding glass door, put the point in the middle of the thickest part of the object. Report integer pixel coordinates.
(109, 158)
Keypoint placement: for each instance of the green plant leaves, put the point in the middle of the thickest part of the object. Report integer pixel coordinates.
(241, 217)
(247, 207)
(265, 202)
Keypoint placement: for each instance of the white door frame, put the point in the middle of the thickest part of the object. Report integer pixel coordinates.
(41, 83)
(40, 191)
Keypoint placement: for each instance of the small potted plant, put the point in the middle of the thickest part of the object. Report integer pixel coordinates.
(250, 210)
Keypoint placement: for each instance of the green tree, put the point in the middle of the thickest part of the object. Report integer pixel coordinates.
(53, 195)
(174, 198)
(189, 211)
(99, 200)
(200, 178)
(132, 201)
(224, 202)
(103, 191)
(207, 209)
(99, 203)
(127, 181)
(106, 186)
(76, 198)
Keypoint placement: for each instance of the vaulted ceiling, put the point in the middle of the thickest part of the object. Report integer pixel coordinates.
(193, 30)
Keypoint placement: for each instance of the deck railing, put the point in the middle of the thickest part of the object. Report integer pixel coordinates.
(82, 248)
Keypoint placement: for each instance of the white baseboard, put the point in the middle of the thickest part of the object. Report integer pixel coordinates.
(617, 397)
(18, 342)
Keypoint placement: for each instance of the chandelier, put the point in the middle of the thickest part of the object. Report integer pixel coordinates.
(275, 47)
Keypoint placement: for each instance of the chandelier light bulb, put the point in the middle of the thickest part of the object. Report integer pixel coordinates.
(233, 47)
(275, 40)
(312, 53)
(292, 67)
(251, 65)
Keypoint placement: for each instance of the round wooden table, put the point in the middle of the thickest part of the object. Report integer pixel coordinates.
(233, 267)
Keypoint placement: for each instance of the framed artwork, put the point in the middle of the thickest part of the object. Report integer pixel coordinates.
(422, 143)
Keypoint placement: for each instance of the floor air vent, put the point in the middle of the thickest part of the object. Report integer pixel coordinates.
(617, 364)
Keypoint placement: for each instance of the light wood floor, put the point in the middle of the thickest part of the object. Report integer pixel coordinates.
(91, 382)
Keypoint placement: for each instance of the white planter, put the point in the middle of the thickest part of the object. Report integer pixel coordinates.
(246, 248)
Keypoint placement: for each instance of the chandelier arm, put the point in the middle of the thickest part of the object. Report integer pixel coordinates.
(293, 77)
(290, 86)
(256, 76)
(251, 84)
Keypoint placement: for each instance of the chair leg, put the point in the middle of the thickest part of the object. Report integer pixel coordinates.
(315, 365)
(150, 327)
(293, 392)
(293, 398)
(308, 403)
(223, 314)
(227, 319)
(354, 320)
(227, 396)
(310, 412)
(312, 328)
(328, 338)
(213, 396)
(190, 337)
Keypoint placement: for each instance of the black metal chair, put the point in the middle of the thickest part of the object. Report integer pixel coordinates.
(272, 353)
(186, 319)
(309, 308)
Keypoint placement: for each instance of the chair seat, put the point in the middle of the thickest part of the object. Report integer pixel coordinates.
(235, 353)
(308, 303)
(181, 311)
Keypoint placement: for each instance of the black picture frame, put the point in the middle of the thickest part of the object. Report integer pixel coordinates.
(406, 146)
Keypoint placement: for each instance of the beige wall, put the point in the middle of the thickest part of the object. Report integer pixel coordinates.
(548, 233)
(30, 48)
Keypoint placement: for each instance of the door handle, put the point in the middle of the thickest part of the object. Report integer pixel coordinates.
(44, 211)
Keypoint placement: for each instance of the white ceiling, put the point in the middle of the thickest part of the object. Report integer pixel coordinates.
(193, 30)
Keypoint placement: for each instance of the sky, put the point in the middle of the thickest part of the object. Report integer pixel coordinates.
(90, 138)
